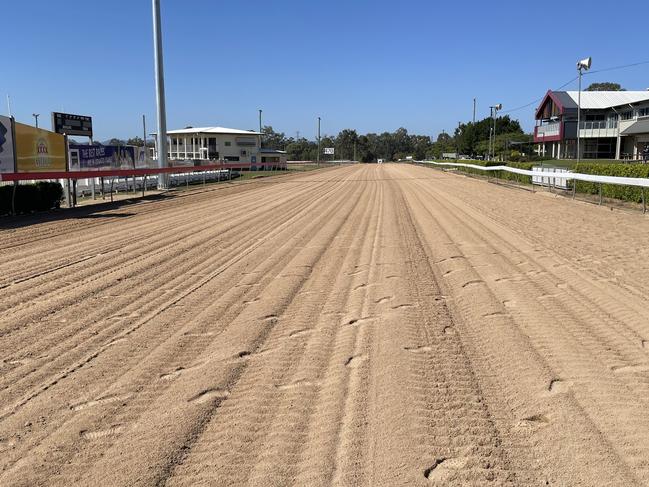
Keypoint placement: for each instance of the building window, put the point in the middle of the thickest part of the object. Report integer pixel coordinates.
(244, 153)
(628, 115)
(643, 112)
(227, 143)
(232, 158)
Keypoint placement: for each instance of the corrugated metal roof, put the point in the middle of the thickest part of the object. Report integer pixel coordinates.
(212, 130)
(565, 99)
(608, 99)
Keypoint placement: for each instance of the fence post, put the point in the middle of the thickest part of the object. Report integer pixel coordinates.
(143, 184)
(574, 188)
(13, 199)
(644, 203)
(600, 193)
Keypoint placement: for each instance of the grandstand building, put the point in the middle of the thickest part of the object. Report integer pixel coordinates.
(614, 124)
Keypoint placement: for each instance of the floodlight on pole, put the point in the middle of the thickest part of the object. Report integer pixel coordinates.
(494, 113)
(160, 94)
(583, 65)
(36, 115)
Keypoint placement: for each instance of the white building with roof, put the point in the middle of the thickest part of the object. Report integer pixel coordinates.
(224, 144)
(614, 124)
(204, 145)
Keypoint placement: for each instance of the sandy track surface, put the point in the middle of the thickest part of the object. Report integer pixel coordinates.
(365, 325)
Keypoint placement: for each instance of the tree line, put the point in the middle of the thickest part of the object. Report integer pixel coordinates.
(470, 139)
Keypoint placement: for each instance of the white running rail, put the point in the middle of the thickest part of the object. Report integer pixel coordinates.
(593, 178)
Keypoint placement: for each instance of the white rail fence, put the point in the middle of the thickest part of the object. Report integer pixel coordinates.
(559, 176)
(554, 173)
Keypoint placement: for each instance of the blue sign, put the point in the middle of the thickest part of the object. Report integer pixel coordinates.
(94, 157)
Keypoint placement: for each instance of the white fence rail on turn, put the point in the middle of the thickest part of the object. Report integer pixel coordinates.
(552, 173)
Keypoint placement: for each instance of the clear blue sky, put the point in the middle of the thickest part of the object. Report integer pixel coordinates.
(372, 65)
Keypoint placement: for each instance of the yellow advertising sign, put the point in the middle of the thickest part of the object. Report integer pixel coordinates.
(39, 150)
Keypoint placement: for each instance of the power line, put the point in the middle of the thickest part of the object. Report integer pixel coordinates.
(539, 99)
(617, 67)
(623, 66)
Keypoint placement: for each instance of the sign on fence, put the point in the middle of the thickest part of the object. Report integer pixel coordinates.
(39, 150)
(329, 151)
(7, 158)
(549, 181)
(96, 157)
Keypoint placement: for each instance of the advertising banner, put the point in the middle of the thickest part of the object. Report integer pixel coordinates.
(101, 157)
(143, 160)
(39, 150)
(7, 159)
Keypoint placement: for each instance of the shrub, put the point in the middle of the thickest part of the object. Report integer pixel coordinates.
(40, 196)
(625, 193)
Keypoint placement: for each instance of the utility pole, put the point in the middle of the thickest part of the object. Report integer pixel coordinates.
(160, 94)
(474, 111)
(494, 112)
(36, 115)
(8, 105)
(146, 165)
(584, 64)
(318, 141)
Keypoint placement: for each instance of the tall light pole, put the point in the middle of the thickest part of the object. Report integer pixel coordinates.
(260, 120)
(583, 65)
(318, 141)
(474, 100)
(36, 115)
(160, 94)
(494, 114)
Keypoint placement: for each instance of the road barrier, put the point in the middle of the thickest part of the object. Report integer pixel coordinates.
(559, 175)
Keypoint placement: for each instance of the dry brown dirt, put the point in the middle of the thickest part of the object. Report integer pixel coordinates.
(366, 325)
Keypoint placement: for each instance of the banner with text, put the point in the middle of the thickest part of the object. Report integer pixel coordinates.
(101, 157)
(39, 150)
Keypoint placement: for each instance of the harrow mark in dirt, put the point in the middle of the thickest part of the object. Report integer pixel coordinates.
(362, 325)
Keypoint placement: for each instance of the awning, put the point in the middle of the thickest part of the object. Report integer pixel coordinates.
(639, 127)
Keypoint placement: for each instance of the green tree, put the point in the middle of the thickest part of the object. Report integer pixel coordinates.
(345, 142)
(273, 140)
(605, 86)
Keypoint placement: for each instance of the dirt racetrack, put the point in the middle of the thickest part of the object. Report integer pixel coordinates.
(365, 325)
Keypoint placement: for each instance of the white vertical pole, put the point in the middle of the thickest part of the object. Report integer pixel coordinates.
(579, 119)
(160, 94)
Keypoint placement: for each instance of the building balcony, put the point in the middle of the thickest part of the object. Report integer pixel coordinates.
(547, 132)
(595, 129)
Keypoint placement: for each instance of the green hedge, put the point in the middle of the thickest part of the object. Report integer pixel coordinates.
(40, 196)
(625, 193)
